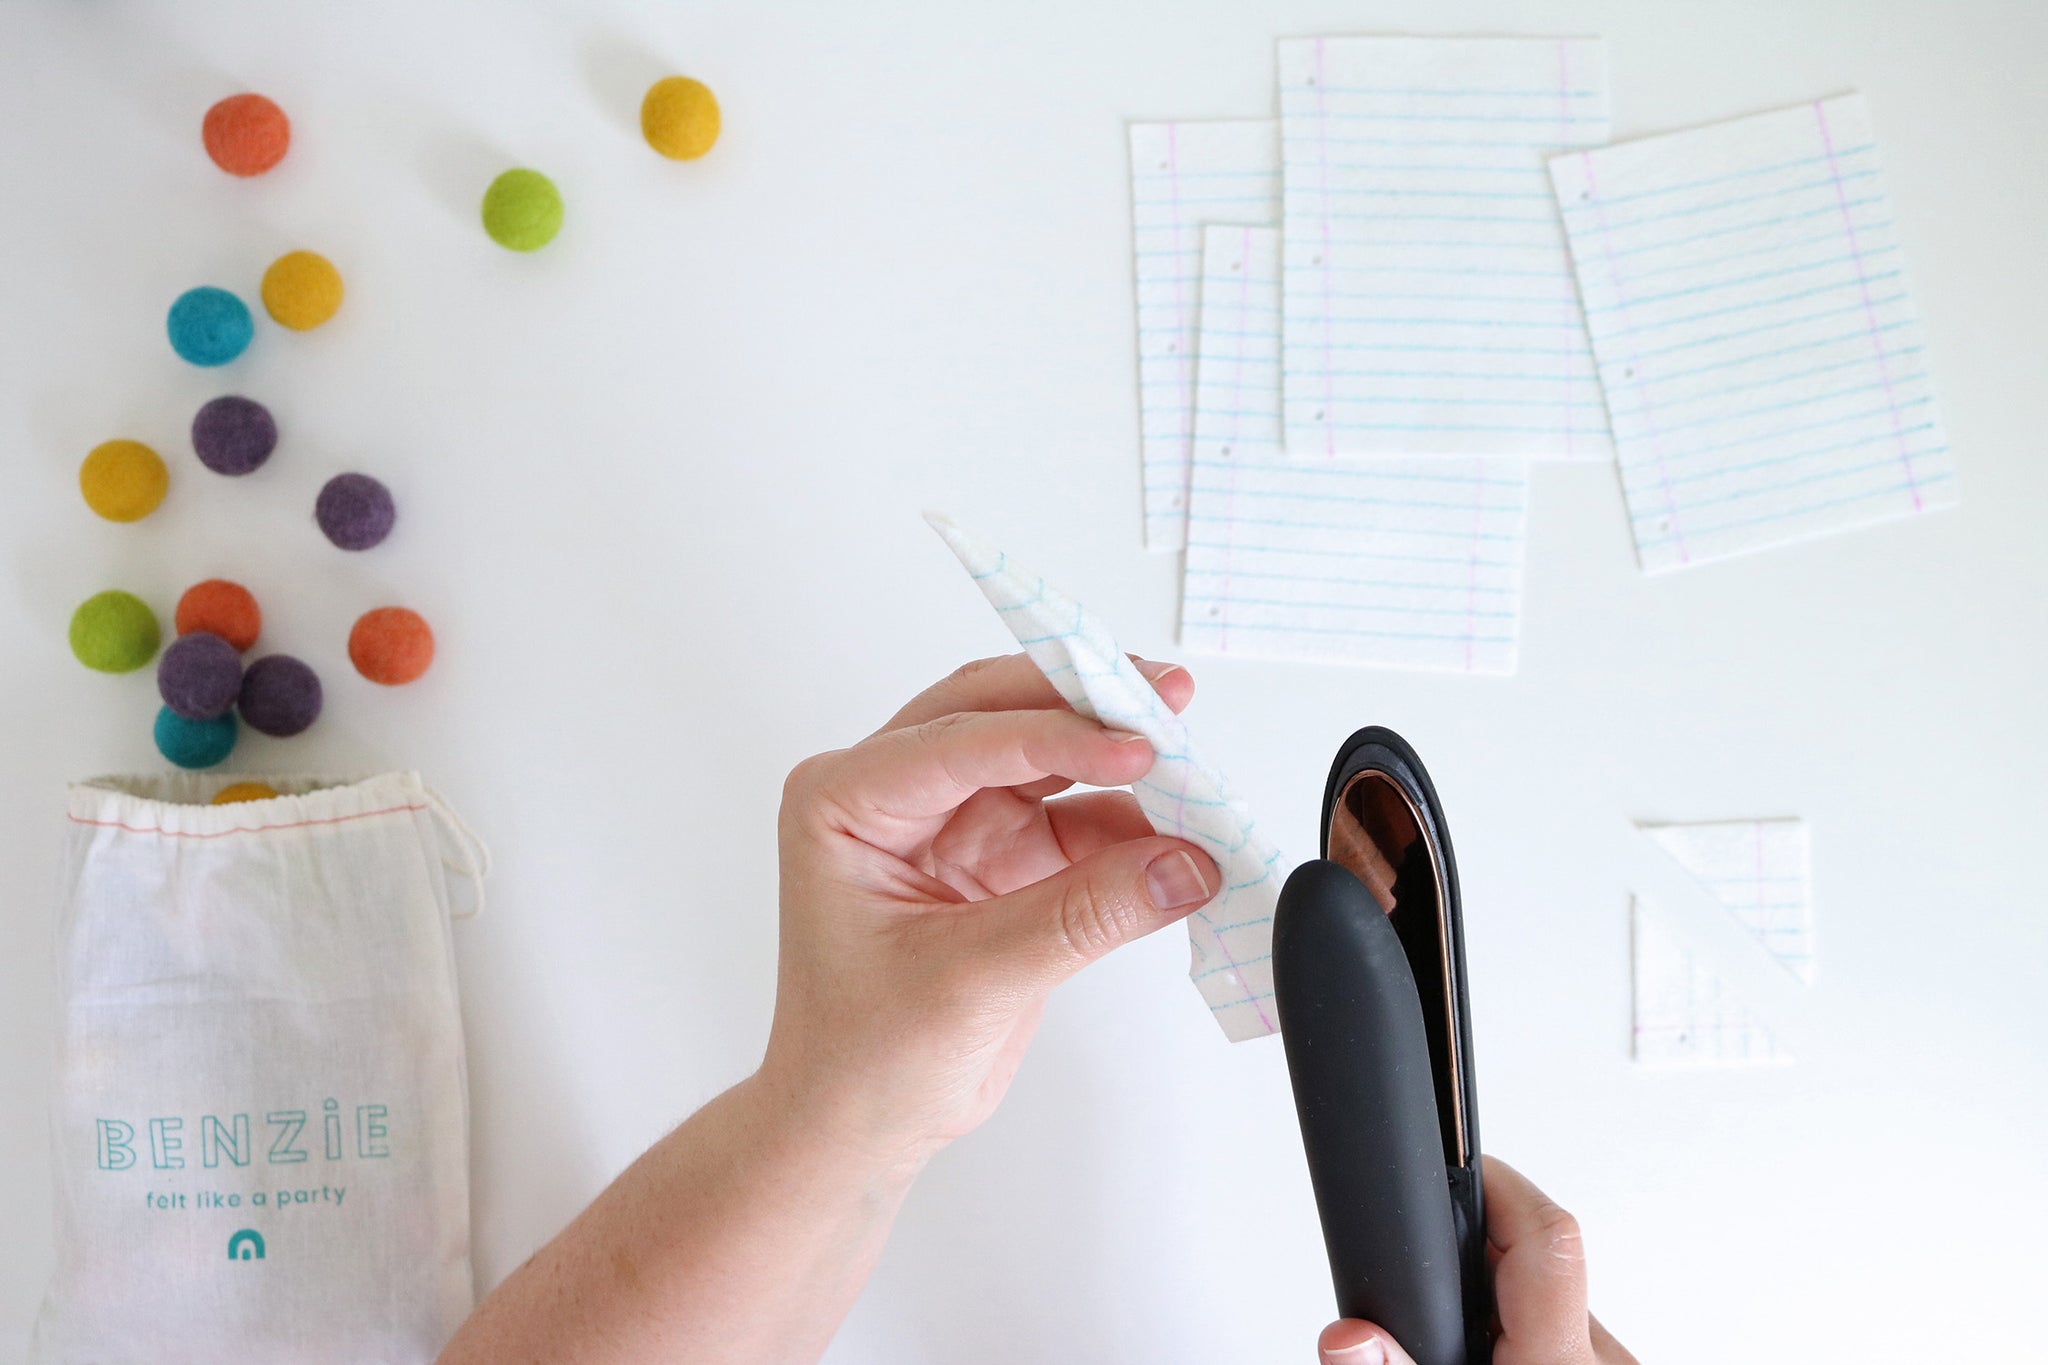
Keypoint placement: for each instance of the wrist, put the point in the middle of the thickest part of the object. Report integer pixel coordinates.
(841, 1125)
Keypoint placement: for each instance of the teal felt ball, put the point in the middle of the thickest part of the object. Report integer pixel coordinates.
(210, 326)
(194, 743)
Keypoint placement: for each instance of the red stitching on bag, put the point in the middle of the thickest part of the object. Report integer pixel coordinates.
(245, 829)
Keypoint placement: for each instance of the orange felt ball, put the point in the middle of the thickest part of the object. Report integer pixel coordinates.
(221, 608)
(246, 134)
(391, 645)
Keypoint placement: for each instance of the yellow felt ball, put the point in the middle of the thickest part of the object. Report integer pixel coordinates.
(301, 290)
(679, 118)
(244, 791)
(123, 480)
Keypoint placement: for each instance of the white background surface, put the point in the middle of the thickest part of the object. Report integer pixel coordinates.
(659, 487)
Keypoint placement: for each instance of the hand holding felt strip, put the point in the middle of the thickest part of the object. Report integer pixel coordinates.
(1231, 937)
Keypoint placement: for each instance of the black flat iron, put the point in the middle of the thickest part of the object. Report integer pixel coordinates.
(1369, 978)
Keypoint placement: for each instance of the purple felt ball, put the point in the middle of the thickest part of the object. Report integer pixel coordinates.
(234, 435)
(199, 676)
(355, 511)
(280, 696)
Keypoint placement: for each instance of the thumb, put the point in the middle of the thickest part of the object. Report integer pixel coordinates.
(1351, 1342)
(1054, 927)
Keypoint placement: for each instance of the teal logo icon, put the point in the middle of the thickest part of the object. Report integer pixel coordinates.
(246, 1245)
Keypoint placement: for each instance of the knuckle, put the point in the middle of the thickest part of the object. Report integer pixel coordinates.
(1091, 921)
(957, 687)
(805, 781)
(1558, 1233)
(934, 731)
(934, 739)
(971, 671)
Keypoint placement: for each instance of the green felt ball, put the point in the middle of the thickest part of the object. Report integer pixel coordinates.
(522, 210)
(194, 743)
(114, 632)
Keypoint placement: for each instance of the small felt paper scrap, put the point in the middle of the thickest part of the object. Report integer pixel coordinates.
(1765, 371)
(1402, 563)
(1184, 175)
(1429, 295)
(1686, 1014)
(1232, 936)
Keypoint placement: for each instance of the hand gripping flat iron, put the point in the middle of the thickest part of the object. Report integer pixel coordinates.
(1369, 979)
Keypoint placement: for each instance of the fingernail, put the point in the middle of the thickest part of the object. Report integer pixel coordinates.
(1371, 1351)
(1175, 881)
(1153, 670)
(1125, 736)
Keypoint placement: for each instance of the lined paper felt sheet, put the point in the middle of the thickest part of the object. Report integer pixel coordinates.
(1759, 872)
(1688, 1013)
(1231, 938)
(1411, 563)
(1430, 305)
(1765, 372)
(1684, 1014)
(1182, 176)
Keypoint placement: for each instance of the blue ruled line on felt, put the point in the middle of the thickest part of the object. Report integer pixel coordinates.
(1758, 439)
(1801, 378)
(1392, 609)
(1433, 185)
(1747, 173)
(1714, 340)
(1892, 461)
(1804, 400)
(1762, 385)
(1755, 305)
(1475, 92)
(1622, 381)
(1895, 490)
(1825, 184)
(1736, 282)
(1865, 231)
(1724, 470)
(1670, 243)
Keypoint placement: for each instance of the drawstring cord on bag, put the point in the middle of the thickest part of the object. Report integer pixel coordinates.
(476, 862)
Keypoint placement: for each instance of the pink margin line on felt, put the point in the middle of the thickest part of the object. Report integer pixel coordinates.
(1184, 437)
(1564, 132)
(241, 829)
(1649, 408)
(1884, 373)
(1329, 350)
(1244, 290)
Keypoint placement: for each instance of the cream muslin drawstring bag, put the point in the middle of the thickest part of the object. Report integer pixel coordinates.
(259, 1110)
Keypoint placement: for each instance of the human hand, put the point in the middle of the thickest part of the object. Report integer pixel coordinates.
(1539, 1289)
(933, 895)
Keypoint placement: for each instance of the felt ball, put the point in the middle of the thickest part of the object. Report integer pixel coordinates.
(123, 480)
(280, 696)
(246, 134)
(114, 632)
(210, 326)
(236, 792)
(301, 290)
(199, 676)
(233, 435)
(679, 118)
(522, 210)
(391, 645)
(194, 743)
(355, 511)
(221, 608)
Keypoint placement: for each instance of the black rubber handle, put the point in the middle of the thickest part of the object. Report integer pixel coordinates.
(1364, 1092)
